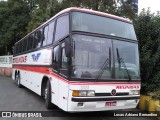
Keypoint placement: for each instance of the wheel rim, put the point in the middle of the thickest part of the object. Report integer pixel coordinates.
(45, 94)
(17, 79)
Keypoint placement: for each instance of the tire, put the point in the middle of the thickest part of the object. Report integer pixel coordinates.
(47, 96)
(18, 81)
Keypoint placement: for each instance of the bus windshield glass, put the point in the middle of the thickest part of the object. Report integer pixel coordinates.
(102, 25)
(91, 55)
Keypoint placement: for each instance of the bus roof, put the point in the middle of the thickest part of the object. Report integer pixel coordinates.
(80, 10)
(99, 13)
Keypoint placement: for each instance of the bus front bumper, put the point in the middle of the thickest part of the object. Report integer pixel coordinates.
(82, 104)
(104, 99)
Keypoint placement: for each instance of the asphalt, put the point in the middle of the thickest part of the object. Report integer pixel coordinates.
(23, 100)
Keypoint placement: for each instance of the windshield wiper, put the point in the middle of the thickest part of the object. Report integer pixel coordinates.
(106, 63)
(120, 60)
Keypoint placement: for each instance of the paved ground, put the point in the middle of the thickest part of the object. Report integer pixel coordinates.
(13, 98)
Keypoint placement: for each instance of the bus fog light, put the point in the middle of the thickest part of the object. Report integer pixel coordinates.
(90, 93)
(134, 92)
(80, 104)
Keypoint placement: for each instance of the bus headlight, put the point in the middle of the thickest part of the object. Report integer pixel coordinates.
(134, 92)
(83, 93)
(90, 93)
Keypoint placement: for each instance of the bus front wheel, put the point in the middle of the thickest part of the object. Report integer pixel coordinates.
(47, 96)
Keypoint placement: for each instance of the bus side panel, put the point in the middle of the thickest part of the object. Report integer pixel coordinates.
(33, 80)
(23, 78)
(63, 95)
(13, 73)
(32, 67)
(54, 88)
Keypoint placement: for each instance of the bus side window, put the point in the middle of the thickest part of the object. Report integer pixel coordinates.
(20, 46)
(62, 27)
(39, 37)
(28, 43)
(35, 40)
(32, 40)
(17, 48)
(55, 57)
(45, 35)
(23, 46)
(64, 61)
(50, 33)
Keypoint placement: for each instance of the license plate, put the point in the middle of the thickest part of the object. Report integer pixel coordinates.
(111, 103)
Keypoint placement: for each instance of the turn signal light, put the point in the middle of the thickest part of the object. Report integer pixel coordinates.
(75, 93)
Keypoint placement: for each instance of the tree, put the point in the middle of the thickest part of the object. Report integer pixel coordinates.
(19, 16)
(14, 16)
(127, 9)
(37, 18)
(123, 8)
(147, 28)
(47, 9)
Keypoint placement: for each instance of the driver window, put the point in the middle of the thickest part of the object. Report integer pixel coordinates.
(55, 58)
(64, 61)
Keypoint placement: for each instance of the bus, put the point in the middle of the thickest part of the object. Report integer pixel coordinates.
(80, 60)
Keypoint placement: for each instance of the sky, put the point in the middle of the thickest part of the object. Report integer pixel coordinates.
(153, 4)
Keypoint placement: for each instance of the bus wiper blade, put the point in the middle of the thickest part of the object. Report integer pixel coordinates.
(120, 60)
(106, 63)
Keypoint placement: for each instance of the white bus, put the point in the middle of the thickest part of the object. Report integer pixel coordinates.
(81, 60)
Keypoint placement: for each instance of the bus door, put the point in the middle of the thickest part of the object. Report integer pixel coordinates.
(60, 84)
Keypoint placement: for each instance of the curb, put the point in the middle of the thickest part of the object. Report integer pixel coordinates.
(6, 71)
(1, 71)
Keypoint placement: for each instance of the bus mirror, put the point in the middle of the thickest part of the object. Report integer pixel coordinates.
(68, 50)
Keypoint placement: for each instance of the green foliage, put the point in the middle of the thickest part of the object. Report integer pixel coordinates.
(147, 28)
(14, 18)
(127, 9)
(45, 10)
(37, 18)
(116, 7)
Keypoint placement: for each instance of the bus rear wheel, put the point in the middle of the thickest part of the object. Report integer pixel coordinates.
(47, 96)
(18, 81)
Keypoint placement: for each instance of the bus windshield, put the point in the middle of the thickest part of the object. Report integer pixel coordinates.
(90, 54)
(102, 25)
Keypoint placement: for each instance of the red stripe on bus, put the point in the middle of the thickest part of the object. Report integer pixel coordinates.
(59, 77)
(43, 70)
(48, 71)
(104, 83)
